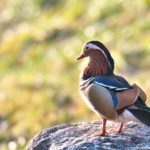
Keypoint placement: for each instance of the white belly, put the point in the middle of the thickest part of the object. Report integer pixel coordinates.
(126, 116)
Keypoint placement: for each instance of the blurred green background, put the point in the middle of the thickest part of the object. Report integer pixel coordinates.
(39, 40)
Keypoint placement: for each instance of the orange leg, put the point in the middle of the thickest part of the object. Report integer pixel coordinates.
(103, 129)
(118, 131)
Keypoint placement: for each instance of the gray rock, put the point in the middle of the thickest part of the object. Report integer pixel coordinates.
(81, 137)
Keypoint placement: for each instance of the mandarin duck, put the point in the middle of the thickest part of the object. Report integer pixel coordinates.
(108, 94)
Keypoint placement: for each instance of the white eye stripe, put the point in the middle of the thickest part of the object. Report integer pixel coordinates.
(90, 45)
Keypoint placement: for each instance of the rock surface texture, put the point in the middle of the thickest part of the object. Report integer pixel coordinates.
(81, 137)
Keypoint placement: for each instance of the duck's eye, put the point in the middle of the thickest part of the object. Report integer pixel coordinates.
(87, 47)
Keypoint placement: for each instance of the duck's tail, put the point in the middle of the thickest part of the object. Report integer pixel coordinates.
(140, 111)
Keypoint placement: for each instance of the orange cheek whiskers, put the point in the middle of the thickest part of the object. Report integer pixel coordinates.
(97, 66)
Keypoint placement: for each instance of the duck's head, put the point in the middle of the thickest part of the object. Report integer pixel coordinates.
(98, 54)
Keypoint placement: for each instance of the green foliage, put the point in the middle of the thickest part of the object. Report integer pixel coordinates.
(38, 45)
